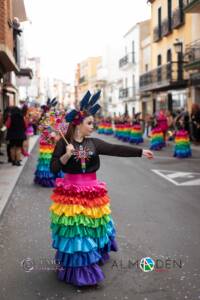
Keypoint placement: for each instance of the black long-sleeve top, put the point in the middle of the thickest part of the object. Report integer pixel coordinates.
(94, 148)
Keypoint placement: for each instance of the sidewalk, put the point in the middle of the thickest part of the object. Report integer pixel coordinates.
(9, 176)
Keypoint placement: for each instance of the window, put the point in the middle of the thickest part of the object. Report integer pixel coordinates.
(133, 51)
(159, 20)
(169, 55)
(159, 60)
(169, 14)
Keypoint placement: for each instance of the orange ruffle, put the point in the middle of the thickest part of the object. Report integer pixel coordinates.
(95, 202)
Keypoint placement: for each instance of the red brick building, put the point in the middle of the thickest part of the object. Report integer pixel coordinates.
(12, 12)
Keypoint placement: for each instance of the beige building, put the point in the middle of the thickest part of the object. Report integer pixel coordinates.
(192, 52)
(86, 76)
(171, 31)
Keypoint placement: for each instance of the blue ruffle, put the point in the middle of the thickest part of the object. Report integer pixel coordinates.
(77, 259)
(136, 140)
(78, 244)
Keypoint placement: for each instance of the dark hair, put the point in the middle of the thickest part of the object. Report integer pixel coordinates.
(70, 132)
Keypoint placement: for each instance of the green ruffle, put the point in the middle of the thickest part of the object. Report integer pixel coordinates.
(81, 230)
(79, 220)
(45, 155)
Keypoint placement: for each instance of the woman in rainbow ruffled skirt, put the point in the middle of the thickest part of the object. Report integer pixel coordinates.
(83, 231)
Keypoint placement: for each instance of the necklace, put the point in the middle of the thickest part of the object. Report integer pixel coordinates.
(83, 154)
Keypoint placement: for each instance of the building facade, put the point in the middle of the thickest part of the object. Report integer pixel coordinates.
(85, 77)
(167, 81)
(129, 64)
(12, 13)
(192, 51)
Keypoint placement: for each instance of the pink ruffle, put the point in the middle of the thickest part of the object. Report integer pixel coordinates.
(71, 190)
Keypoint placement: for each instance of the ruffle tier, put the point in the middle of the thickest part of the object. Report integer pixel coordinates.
(79, 220)
(83, 231)
(95, 202)
(81, 276)
(72, 210)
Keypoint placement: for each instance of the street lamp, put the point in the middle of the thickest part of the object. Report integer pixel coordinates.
(178, 46)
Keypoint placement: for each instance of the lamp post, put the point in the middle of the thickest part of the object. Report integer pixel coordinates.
(178, 46)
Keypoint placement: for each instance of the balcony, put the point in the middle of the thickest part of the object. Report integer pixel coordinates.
(162, 78)
(166, 27)
(123, 93)
(82, 80)
(192, 55)
(178, 18)
(192, 6)
(157, 33)
(127, 60)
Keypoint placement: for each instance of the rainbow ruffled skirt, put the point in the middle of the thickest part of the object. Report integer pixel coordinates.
(43, 175)
(83, 231)
(122, 132)
(136, 134)
(182, 147)
(105, 128)
(157, 139)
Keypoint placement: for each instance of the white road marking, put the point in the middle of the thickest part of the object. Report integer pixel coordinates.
(185, 177)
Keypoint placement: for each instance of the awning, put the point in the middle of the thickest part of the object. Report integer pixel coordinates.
(19, 10)
(7, 60)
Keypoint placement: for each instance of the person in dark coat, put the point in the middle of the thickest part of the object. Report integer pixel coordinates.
(15, 134)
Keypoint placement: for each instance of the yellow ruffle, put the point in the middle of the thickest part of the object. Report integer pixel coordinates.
(72, 210)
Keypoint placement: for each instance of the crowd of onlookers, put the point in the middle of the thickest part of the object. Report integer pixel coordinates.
(168, 121)
(16, 126)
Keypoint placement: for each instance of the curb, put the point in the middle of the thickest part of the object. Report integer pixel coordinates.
(9, 177)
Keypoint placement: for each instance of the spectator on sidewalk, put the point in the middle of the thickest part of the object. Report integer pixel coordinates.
(16, 134)
(195, 119)
(1, 131)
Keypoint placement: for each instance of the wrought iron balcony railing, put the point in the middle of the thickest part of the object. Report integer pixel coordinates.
(127, 60)
(192, 55)
(192, 6)
(166, 27)
(123, 93)
(82, 79)
(178, 18)
(157, 33)
(162, 77)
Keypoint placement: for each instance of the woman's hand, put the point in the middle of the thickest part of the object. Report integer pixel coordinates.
(69, 150)
(148, 154)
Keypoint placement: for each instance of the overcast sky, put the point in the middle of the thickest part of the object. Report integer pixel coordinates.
(64, 32)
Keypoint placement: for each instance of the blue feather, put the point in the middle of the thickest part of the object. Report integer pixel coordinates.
(71, 115)
(94, 99)
(85, 100)
(94, 109)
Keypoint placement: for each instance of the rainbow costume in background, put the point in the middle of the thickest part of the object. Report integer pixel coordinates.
(122, 131)
(136, 134)
(182, 147)
(43, 175)
(105, 128)
(48, 138)
(157, 139)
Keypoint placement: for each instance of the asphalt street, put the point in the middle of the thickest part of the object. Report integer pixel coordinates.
(157, 215)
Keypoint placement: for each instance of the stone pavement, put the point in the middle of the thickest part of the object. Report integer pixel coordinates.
(9, 175)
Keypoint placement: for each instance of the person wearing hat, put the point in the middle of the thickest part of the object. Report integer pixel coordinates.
(83, 231)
